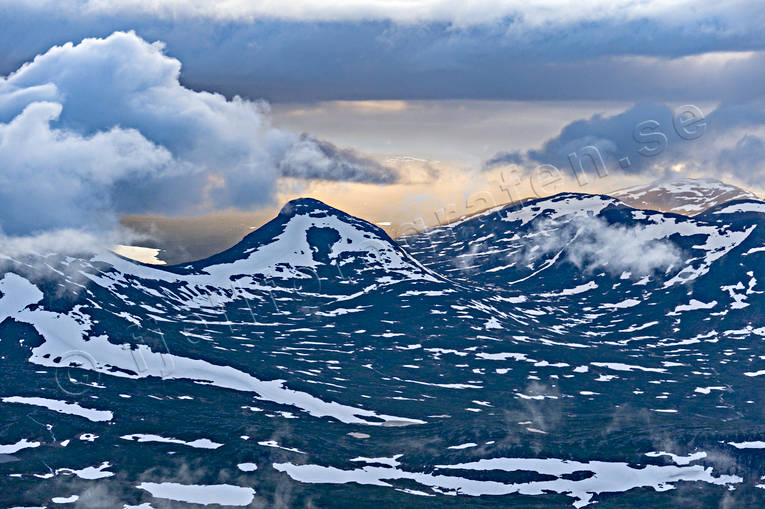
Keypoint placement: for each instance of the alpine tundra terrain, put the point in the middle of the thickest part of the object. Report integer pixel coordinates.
(566, 351)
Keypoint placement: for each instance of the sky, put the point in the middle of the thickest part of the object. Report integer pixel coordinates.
(185, 123)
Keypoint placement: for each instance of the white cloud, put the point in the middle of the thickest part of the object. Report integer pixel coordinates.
(92, 131)
(54, 178)
(591, 243)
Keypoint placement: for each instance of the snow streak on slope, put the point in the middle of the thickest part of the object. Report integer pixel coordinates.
(532, 353)
(67, 335)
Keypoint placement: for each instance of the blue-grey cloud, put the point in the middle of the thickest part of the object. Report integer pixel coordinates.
(103, 128)
(713, 17)
(613, 136)
(657, 141)
(516, 51)
(311, 158)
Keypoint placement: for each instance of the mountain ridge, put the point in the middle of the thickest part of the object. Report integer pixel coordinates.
(674, 192)
(538, 348)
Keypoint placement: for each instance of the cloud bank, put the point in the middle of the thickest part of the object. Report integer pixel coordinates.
(530, 14)
(729, 144)
(93, 131)
(306, 50)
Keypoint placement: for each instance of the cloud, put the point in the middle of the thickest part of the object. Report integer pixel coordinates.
(64, 241)
(310, 158)
(729, 144)
(613, 136)
(531, 14)
(53, 178)
(591, 243)
(430, 49)
(97, 130)
(745, 159)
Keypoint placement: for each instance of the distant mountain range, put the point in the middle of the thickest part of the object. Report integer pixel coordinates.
(565, 351)
(682, 195)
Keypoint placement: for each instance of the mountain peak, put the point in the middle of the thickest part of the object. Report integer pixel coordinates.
(311, 237)
(303, 206)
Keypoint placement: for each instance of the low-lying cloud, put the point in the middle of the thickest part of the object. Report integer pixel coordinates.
(591, 243)
(65, 241)
(93, 131)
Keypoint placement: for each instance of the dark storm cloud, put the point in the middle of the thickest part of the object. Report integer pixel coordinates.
(582, 52)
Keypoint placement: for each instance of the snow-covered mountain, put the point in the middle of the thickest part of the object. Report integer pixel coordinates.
(682, 195)
(567, 351)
